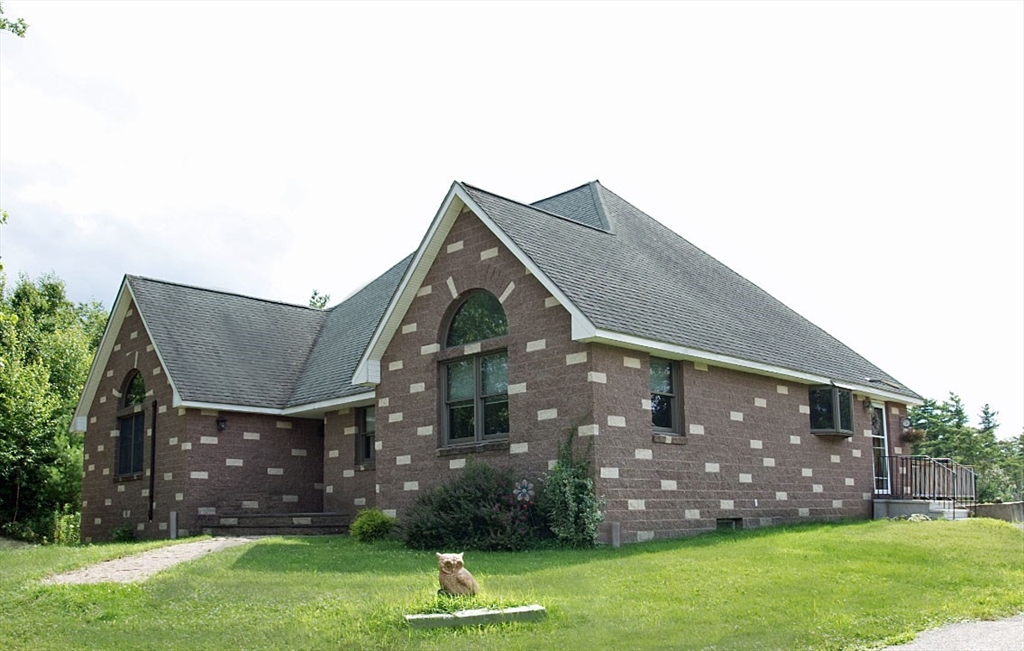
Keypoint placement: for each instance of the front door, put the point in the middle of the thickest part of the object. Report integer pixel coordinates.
(880, 449)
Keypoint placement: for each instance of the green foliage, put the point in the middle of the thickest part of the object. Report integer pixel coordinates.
(318, 300)
(67, 526)
(18, 27)
(482, 509)
(999, 465)
(371, 525)
(46, 346)
(122, 534)
(573, 508)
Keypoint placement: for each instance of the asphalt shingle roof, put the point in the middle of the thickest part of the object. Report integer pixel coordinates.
(624, 270)
(229, 349)
(224, 348)
(642, 279)
(343, 338)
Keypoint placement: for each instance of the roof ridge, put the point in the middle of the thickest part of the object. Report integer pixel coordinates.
(540, 210)
(223, 292)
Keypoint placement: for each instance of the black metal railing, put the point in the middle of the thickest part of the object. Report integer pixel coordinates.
(924, 478)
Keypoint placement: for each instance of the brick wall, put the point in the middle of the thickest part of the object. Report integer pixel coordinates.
(348, 485)
(549, 394)
(745, 450)
(110, 502)
(257, 464)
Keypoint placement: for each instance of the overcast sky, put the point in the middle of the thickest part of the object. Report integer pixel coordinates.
(862, 162)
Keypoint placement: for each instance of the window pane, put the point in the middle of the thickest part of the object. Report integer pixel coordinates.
(124, 446)
(494, 374)
(367, 450)
(461, 423)
(370, 420)
(461, 383)
(496, 415)
(661, 411)
(822, 416)
(661, 376)
(845, 410)
(137, 439)
(136, 394)
(480, 317)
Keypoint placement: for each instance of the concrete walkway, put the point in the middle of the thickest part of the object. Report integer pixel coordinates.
(139, 567)
(1000, 635)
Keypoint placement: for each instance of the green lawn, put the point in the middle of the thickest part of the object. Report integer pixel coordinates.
(813, 587)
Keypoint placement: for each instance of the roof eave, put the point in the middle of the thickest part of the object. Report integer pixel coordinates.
(676, 351)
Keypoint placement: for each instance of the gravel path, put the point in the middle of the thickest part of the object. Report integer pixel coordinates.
(1000, 635)
(140, 567)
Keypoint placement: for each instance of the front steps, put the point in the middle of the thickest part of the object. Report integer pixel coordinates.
(936, 510)
(275, 524)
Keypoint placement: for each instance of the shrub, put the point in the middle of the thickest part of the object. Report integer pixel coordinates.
(371, 525)
(483, 509)
(124, 533)
(67, 526)
(573, 508)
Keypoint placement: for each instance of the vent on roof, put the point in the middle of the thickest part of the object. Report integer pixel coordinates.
(582, 205)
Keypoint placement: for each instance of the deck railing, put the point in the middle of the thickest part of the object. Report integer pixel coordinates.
(924, 478)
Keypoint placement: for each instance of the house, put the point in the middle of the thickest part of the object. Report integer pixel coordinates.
(706, 402)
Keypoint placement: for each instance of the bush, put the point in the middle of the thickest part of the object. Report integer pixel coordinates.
(573, 508)
(483, 509)
(371, 525)
(124, 533)
(67, 526)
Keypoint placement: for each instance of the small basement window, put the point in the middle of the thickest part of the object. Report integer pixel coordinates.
(831, 410)
(728, 524)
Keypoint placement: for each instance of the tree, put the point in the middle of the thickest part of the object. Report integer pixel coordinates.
(318, 300)
(949, 436)
(16, 27)
(46, 346)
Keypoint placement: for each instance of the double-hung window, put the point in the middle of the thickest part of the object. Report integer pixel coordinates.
(366, 423)
(831, 409)
(132, 427)
(664, 395)
(475, 386)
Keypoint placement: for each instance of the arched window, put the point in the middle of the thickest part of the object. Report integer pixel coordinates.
(479, 317)
(476, 386)
(135, 392)
(132, 426)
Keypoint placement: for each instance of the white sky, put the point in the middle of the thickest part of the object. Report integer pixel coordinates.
(862, 162)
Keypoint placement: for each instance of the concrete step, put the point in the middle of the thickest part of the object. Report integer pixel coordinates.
(275, 524)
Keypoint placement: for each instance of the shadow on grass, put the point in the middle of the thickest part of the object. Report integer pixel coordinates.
(342, 554)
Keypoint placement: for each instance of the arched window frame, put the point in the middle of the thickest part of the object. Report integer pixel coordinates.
(131, 425)
(482, 414)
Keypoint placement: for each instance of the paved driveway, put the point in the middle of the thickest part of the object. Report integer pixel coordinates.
(1001, 635)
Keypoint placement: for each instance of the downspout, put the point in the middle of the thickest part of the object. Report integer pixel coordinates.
(152, 465)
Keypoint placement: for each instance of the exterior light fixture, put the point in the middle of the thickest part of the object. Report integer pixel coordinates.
(222, 424)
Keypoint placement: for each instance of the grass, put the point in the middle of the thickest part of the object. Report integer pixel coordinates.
(846, 586)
